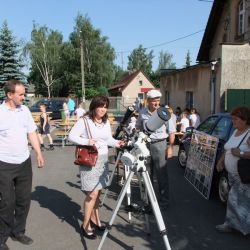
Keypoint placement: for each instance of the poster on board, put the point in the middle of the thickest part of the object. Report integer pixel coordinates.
(201, 160)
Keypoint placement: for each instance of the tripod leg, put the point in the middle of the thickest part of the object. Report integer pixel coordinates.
(111, 178)
(127, 170)
(156, 208)
(144, 198)
(115, 211)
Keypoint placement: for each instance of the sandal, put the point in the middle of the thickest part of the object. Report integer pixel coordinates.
(90, 236)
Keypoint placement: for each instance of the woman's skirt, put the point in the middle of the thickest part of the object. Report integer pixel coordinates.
(97, 177)
(238, 206)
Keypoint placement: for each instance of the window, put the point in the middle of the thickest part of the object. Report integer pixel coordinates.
(140, 83)
(189, 100)
(241, 17)
(207, 125)
(140, 95)
(167, 100)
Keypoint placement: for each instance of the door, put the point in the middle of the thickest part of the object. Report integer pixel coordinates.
(237, 97)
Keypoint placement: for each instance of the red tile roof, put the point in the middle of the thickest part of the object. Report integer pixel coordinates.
(125, 81)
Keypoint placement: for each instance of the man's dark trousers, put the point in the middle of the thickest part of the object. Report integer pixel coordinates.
(15, 197)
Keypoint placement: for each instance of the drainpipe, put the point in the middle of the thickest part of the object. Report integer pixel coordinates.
(213, 86)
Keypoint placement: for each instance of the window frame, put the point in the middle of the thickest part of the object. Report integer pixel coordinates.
(189, 99)
(241, 18)
(167, 97)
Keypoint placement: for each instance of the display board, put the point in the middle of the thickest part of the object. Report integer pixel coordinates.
(201, 161)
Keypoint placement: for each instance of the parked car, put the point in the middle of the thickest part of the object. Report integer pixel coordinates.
(220, 126)
(54, 105)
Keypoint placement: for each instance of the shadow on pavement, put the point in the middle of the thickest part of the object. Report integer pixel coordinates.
(60, 204)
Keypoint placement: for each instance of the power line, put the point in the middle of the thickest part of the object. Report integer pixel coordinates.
(164, 43)
(205, 1)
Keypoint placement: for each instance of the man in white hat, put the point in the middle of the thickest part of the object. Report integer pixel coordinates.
(158, 145)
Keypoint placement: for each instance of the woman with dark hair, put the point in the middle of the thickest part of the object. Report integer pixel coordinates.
(238, 146)
(94, 179)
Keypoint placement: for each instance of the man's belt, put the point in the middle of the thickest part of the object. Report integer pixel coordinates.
(155, 140)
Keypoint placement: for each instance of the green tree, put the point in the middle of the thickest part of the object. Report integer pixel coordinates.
(140, 60)
(44, 50)
(188, 59)
(98, 54)
(10, 56)
(165, 62)
(119, 73)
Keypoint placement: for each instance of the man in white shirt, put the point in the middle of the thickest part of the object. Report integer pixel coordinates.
(16, 127)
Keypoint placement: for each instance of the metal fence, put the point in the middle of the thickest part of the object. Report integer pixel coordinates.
(118, 105)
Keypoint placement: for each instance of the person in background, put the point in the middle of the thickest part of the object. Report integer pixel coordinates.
(157, 146)
(80, 111)
(66, 113)
(94, 179)
(137, 104)
(173, 116)
(194, 118)
(185, 123)
(131, 125)
(178, 118)
(170, 148)
(44, 128)
(71, 106)
(238, 146)
(16, 128)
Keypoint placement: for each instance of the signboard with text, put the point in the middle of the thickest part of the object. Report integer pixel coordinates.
(201, 160)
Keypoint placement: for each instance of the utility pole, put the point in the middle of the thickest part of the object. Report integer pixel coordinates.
(82, 68)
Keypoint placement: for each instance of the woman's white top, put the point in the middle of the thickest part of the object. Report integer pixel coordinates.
(184, 124)
(195, 120)
(100, 132)
(233, 142)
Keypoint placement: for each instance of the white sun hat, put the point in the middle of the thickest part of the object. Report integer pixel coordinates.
(153, 93)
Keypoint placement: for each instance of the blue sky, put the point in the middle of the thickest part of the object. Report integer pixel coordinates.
(127, 23)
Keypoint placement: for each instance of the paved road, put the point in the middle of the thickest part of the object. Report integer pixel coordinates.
(55, 216)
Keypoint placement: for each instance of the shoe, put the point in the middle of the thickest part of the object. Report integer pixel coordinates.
(42, 147)
(3, 246)
(90, 236)
(133, 208)
(224, 228)
(99, 228)
(51, 147)
(22, 238)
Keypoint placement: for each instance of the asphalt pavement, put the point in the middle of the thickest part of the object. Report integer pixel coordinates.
(56, 213)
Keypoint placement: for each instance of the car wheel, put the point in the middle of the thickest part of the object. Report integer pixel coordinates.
(182, 157)
(223, 187)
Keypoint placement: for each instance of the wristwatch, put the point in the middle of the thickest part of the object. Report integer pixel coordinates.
(241, 153)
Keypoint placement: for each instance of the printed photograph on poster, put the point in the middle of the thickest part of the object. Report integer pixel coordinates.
(201, 160)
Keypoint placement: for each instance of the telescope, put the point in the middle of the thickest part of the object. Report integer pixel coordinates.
(130, 110)
(158, 118)
(134, 161)
(137, 143)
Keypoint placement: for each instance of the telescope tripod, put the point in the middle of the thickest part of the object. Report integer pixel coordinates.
(139, 168)
(111, 179)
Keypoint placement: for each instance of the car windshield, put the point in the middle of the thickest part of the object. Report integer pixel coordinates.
(208, 124)
(221, 130)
